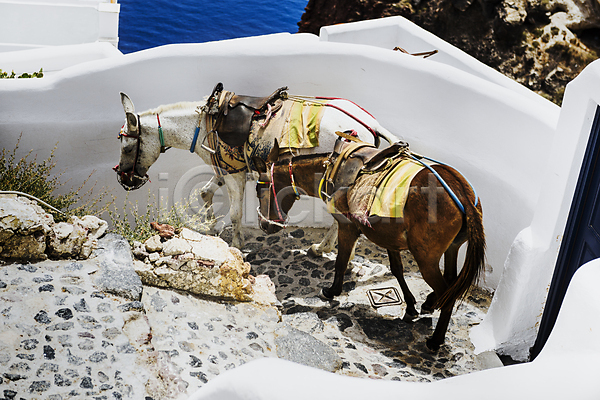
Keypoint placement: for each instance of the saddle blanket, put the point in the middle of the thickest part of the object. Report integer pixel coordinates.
(301, 127)
(383, 194)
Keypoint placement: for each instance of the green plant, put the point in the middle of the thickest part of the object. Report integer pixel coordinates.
(5, 75)
(35, 178)
(135, 226)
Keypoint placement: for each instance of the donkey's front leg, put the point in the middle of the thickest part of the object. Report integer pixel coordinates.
(206, 193)
(235, 188)
(347, 236)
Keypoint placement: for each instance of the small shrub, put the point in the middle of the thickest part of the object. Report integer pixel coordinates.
(12, 75)
(35, 178)
(128, 222)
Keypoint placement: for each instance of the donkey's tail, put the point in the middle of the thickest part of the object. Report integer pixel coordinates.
(475, 256)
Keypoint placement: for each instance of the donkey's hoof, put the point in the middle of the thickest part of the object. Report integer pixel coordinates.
(314, 252)
(426, 309)
(326, 294)
(432, 345)
(238, 242)
(410, 316)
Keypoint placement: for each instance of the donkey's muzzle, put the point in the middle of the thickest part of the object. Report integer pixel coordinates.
(130, 180)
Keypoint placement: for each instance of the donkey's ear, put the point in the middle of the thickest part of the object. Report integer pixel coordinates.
(127, 103)
(274, 154)
(260, 165)
(131, 122)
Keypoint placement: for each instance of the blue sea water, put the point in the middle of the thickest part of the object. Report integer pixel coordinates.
(144, 24)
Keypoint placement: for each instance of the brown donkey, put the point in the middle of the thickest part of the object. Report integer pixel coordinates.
(432, 225)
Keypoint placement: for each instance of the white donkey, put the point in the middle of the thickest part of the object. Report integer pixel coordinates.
(181, 124)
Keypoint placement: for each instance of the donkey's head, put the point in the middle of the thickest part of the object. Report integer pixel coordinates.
(138, 149)
(275, 191)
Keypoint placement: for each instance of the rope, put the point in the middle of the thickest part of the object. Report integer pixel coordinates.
(32, 197)
(270, 221)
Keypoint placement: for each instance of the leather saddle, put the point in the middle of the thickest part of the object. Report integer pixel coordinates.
(348, 160)
(232, 115)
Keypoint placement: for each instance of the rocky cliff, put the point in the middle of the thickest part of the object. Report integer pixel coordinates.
(542, 44)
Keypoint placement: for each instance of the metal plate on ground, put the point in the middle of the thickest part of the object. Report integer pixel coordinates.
(388, 296)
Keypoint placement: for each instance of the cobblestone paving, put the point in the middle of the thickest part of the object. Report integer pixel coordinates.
(60, 338)
(63, 336)
(376, 344)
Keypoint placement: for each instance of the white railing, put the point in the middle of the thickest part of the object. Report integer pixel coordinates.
(28, 24)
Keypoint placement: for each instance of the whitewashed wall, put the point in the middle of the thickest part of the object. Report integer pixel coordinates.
(26, 24)
(392, 32)
(511, 324)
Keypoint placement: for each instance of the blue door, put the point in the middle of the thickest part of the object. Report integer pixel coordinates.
(581, 240)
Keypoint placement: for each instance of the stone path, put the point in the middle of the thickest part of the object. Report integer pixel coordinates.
(375, 344)
(89, 329)
(72, 329)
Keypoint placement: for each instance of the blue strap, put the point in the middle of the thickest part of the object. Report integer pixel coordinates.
(444, 184)
(472, 187)
(194, 140)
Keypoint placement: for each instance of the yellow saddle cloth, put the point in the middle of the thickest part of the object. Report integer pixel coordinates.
(383, 194)
(301, 127)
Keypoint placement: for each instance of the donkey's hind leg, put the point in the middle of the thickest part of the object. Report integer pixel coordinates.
(347, 236)
(450, 266)
(430, 270)
(398, 271)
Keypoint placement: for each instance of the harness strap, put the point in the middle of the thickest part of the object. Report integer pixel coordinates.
(281, 219)
(138, 144)
(470, 184)
(197, 131)
(442, 181)
(349, 136)
(292, 180)
(161, 137)
(332, 168)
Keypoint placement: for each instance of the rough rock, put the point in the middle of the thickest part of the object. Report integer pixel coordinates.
(116, 274)
(77, 238)
(27, 232)
(203, 265)
(165, 231)
(24, 247)
(300, 347)
(542, 44)
(66, 239)
(176, 246)
(21, 215)
(153, 244)
(23, 227)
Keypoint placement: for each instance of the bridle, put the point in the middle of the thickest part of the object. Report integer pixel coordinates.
(131, 174)
(281, 221)
(138, 137)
